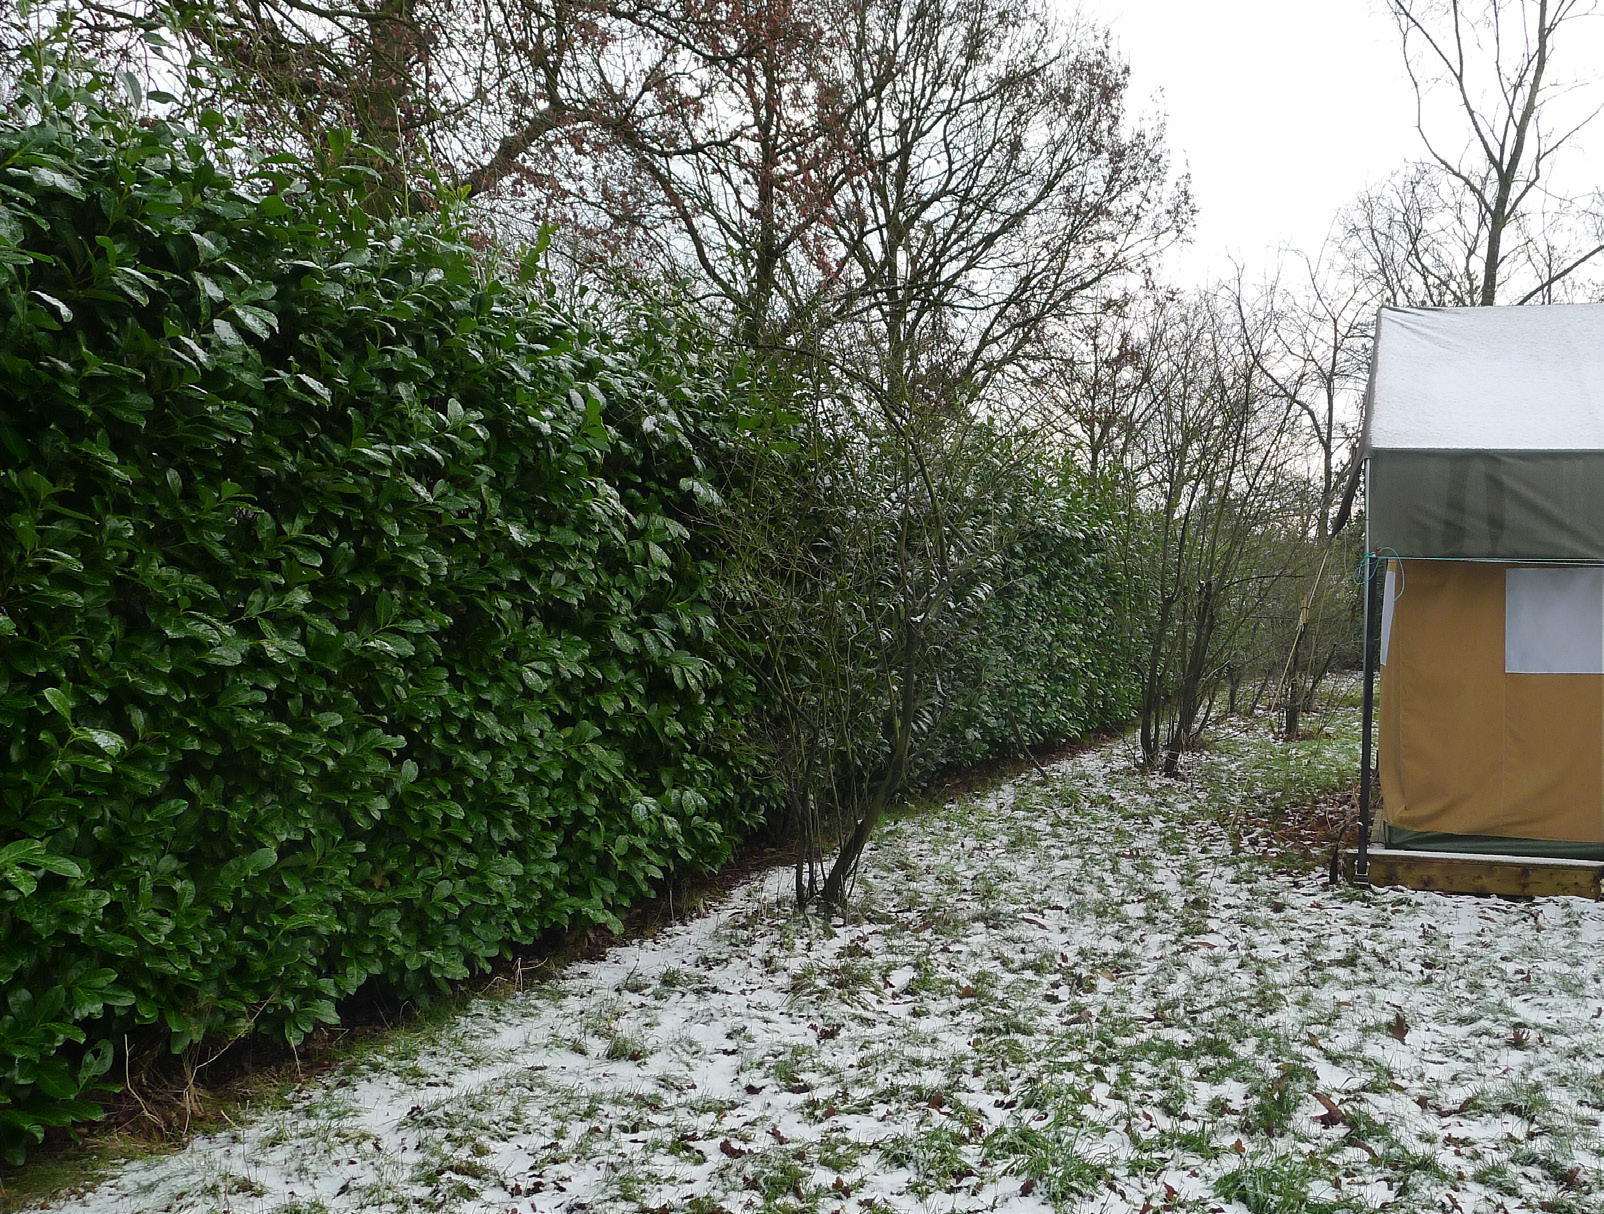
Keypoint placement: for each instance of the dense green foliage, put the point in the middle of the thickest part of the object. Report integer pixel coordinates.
(364, 613)
(350, 622)
(1044, 656)
(919, 598)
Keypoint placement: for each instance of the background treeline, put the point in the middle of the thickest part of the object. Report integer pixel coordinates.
(463, 465)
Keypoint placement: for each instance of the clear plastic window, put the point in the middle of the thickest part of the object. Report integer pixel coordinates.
(1554, 621)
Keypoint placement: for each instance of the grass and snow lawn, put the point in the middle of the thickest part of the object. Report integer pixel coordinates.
(1094, 990)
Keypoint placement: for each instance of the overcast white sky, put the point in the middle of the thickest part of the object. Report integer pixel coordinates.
(1283, 110)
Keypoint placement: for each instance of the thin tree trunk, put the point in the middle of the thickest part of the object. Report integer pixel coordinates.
(846, 860)
(1294, 700)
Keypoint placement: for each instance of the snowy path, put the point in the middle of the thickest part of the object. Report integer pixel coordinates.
(1075, 993)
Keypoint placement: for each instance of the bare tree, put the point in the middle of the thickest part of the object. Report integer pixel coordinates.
(1222, 496)
(855, 559)
(993, 186)
(728, 180)
(932, 174)
(1309, 336)
(1005, 188)
(1497, 62)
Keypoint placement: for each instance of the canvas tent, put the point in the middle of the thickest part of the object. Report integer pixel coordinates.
(1484, 447)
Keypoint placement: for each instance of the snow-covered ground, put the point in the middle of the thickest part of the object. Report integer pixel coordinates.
(1093, 990)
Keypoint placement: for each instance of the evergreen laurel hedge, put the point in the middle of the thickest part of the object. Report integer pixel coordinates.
(351, 624)
(357, 609)
(1042, 655)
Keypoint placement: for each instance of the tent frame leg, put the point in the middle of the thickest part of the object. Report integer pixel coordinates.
(1372, 629)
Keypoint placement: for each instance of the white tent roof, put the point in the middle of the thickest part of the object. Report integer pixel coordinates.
(1488, 379)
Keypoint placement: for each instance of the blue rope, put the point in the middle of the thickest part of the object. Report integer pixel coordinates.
(1385, 553)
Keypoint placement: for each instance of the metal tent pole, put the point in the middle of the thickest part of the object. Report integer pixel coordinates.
(1373, 595)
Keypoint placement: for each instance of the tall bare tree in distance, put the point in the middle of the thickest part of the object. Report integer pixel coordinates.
(1315, 319)
(730, 177)
(1500, 67)
(994, 186)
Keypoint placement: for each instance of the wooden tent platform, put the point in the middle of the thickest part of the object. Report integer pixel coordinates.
(1465, 873)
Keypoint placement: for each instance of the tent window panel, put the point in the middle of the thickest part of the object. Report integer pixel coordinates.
(1554, 621)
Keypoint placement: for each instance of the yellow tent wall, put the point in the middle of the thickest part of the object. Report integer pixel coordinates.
(1469, 750)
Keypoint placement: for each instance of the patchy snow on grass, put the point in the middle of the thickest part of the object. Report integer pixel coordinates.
(1093, 991)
